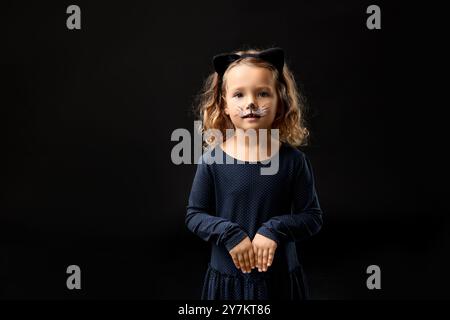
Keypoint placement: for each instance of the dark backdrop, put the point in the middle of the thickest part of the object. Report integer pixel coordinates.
(87, 117)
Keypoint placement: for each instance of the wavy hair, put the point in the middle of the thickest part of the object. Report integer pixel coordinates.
(210, 104)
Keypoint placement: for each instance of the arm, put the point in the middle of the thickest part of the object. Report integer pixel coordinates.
(201, 203)
(305, 219)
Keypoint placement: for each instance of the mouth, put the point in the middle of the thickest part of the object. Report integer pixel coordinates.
(251, 116)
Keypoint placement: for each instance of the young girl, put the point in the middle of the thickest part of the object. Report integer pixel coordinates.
(253, 221)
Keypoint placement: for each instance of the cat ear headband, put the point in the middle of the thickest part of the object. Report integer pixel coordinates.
(274, 56)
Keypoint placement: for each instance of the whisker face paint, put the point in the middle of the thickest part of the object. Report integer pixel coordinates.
(257, 112)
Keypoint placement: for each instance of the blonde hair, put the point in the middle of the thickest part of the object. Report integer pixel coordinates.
(290, 110)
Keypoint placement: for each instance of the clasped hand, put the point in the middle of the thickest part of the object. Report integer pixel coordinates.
(258, 253)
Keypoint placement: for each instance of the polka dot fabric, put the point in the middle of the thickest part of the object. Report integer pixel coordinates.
(230, 200)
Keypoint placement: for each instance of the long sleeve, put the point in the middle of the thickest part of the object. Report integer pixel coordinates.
(305, 218)
(199, 217)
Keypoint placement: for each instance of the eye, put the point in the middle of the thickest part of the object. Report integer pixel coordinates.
(238, 95)
(264, 94)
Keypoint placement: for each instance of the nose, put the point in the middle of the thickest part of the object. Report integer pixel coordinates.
(251, 106)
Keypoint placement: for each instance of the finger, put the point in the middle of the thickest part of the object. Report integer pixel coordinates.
(270, 257)
(251, 255)
(241, 262)
(264, 263)
(247, 262)
(236, 261)
(255, 255)
(260, 259)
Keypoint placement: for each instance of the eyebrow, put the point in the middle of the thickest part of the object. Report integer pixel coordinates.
(259, 87)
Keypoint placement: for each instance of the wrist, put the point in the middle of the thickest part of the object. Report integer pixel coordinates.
(234, 237)
(269, 233)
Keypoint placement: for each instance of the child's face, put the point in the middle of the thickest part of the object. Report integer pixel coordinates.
(250, 88)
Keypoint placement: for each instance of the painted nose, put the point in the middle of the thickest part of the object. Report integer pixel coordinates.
(251, 106)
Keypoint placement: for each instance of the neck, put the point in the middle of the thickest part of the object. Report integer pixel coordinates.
(261, 144)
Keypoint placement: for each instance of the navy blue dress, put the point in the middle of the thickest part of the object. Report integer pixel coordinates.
(231, 200)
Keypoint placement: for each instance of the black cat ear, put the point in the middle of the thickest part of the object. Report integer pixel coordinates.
(222, 61)
(275, 56)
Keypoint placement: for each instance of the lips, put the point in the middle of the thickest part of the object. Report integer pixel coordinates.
(251, 115)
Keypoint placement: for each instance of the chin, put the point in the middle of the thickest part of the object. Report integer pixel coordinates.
(254, 126)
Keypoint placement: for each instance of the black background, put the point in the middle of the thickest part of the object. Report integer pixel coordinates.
(87, 116)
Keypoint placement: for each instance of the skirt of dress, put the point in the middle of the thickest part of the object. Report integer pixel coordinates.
(288, 285)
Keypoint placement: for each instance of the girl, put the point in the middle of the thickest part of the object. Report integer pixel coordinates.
(253, 221)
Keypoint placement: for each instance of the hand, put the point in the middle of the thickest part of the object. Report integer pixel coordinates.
(264, 249)
(243, 256)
